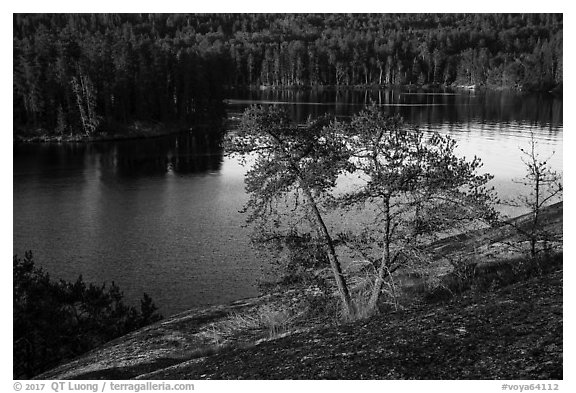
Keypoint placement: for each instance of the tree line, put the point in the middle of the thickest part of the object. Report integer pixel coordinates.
(90, 73)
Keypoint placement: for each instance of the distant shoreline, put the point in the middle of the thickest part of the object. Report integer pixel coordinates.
(144, 130)
(138, 130)
(370, 86)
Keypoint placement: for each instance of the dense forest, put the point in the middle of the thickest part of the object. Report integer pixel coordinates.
(102, 73)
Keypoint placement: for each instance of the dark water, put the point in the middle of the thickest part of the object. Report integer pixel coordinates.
(161, 215)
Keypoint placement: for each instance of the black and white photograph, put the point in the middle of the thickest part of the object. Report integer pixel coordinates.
(287, 196)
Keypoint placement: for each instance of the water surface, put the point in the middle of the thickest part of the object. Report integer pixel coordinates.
(161, 215)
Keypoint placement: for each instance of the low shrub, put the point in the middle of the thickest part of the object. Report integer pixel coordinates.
(490, 276)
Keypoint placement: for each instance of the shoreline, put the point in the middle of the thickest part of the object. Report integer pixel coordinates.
(44, 138)
(375, 86)
(141, 131)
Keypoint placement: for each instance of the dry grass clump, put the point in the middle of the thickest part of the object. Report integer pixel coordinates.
(268, 320)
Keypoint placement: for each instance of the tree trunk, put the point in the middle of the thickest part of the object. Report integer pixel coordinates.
(535, 210)
(348, 305)
(318, 222)
(384, 265)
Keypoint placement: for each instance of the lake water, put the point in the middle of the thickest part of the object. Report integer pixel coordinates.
(161, 215)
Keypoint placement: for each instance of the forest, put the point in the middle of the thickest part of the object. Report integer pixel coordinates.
(89, 74)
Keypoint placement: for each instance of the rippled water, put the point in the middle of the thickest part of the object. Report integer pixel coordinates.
(161, 215)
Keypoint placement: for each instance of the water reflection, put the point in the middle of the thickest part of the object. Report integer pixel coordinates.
(156, 215)
(418, 107)
(196, 152)
(186, 153)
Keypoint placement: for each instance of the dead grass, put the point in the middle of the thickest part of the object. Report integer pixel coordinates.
(265, 321)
